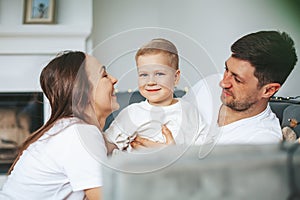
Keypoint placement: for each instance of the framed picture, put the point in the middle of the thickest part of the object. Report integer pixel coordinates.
(39, 12)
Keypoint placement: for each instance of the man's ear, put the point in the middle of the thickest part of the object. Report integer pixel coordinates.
(177, 76)
(270, 89)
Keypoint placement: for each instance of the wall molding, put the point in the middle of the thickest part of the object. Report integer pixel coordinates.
(42, 39)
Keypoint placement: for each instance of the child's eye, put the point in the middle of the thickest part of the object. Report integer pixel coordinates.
(143, 75)
(159, 74)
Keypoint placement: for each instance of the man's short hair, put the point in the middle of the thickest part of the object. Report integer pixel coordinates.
(271, 53)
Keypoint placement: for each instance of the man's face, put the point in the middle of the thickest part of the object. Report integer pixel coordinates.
(240, 86)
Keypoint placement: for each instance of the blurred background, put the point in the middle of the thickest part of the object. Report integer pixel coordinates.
(113, 30)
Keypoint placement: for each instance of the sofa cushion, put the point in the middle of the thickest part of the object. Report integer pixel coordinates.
(292, 112)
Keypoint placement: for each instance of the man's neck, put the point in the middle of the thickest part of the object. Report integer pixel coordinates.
(228, 115)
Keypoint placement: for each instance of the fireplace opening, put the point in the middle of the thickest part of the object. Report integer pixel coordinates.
(21, 113)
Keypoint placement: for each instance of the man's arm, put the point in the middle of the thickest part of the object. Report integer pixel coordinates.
(140, 142)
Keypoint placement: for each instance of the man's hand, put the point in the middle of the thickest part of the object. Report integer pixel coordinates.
(139, 142)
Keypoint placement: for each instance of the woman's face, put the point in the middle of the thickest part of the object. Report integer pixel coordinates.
(104, 97)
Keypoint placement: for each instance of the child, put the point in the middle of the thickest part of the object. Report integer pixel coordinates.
(158, 74)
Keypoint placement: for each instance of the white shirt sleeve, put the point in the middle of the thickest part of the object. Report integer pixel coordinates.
(122, 130)
(83, 157)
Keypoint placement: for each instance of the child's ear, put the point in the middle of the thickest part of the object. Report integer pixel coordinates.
(177, 76)
(270, 89)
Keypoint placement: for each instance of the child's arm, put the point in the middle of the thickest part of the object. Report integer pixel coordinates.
(120, 132)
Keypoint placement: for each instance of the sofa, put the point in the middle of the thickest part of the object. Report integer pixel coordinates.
(285, 108)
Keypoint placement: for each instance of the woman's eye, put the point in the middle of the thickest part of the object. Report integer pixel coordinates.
(104, 75)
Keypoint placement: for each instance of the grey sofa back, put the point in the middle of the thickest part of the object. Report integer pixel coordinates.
(283, 108)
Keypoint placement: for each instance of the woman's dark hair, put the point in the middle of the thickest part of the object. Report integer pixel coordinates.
(65, 83)
(271, 53)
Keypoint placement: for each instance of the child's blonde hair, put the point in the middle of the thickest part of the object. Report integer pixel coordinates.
(163, 46)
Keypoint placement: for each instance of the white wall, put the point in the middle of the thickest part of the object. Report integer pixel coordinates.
(25, 49)
(214, 24)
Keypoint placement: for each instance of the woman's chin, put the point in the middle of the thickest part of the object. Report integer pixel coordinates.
(115, 106)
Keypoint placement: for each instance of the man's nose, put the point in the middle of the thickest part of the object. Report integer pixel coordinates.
(226, 81)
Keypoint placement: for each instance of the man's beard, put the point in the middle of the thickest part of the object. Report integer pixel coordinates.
(239, 106)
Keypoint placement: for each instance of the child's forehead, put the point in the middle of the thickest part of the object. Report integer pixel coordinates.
(156, 67)
(158, 58)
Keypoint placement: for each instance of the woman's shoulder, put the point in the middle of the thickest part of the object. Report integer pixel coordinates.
(66, 126)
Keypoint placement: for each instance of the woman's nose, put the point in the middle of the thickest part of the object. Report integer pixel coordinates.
(113, 79)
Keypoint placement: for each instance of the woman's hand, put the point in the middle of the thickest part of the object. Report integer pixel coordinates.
(140, 142)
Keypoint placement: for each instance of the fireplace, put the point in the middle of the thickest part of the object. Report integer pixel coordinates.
(21, 113)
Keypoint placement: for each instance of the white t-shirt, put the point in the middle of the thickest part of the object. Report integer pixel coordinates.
(260, 129)
(263, 128)
(60, 165)
(146, 120)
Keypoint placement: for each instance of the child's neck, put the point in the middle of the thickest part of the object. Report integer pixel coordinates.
(164, 103)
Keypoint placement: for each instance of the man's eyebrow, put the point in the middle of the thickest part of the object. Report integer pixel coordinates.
(234, 74)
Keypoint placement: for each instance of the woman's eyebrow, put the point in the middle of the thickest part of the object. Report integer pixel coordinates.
(103, 69)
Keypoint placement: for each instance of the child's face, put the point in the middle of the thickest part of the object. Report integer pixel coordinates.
(156, 79)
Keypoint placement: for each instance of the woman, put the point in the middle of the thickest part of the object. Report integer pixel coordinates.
(55, 162)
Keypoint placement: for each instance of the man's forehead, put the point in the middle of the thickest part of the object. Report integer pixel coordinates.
(236, 65)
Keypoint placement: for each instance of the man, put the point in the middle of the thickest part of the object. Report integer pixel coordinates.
(258, 66)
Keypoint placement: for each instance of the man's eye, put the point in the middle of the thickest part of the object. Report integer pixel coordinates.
(237, 80)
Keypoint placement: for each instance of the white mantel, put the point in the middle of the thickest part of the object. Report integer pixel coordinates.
(42, 39)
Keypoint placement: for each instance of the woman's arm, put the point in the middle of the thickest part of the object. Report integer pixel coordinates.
(110, 146)
(94, 193)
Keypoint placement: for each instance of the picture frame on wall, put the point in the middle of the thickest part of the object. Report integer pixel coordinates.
(39, 12)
